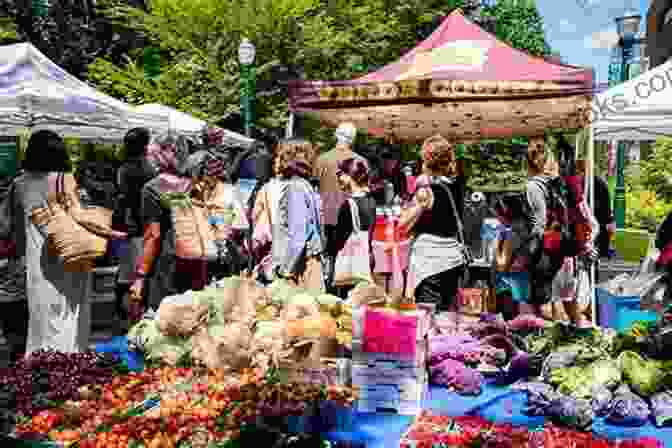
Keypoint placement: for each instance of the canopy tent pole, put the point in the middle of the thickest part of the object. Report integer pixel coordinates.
(289, 131)
(591, 199)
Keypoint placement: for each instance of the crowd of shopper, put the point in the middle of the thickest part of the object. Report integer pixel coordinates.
(324, 222)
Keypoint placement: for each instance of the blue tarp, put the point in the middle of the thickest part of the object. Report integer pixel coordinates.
(118, 345)
(497, 404)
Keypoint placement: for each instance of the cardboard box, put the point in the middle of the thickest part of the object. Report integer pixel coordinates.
(423, 313)
(359, 356)
(387, 373)
(408, 390)
(406, 400)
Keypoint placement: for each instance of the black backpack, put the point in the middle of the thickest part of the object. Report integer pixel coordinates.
(561, 209)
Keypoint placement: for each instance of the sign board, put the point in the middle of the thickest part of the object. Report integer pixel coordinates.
(8, 159)
(392, 334)
(456, 55)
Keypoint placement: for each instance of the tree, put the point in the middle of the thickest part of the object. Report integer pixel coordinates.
(656, 172)
(198, 41)
(72, 35)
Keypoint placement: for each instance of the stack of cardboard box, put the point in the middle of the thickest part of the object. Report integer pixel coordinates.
(391, 376)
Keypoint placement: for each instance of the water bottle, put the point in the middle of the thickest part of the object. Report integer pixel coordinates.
(389, 193)
(489, 230)
(407, 171)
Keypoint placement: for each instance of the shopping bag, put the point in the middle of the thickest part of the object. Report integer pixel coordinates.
(76, 246)
(353, 262)
(194, 237)
(584, 292)
(564, 282)
(653, 255)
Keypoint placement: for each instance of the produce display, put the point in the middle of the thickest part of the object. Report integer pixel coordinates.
(46, 378)
(569, 374)
(216, 361)
(174, 407)
(429, 430)
(238, 324)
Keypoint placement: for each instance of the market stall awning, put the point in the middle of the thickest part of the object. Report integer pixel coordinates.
(461, 82)
(640, 109)
(180, 122)
(185, 124)
(36, 93)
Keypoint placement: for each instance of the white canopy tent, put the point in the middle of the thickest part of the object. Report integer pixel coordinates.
(179, 122)
(639, 109)
(185, 124)
(36, 93)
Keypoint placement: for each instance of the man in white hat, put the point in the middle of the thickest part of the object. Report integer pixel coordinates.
(331, 195)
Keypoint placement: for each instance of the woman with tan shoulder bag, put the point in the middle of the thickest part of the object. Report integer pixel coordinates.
(60, 247)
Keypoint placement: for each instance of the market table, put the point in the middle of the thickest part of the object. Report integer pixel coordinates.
(497, 404)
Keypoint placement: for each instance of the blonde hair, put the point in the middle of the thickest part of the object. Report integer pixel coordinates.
(292, 151)
(438, 156)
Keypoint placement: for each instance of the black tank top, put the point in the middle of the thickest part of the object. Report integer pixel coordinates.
(440, 220)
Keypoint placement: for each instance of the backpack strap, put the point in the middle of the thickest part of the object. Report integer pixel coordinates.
(354, 211)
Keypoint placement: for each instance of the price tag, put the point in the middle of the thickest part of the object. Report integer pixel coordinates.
(392, 334)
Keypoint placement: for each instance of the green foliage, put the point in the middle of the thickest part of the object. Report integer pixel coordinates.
(644, 210)
(501, 172)
(656, 172)
(649, 188)
(328, 39)
(8, 31)
(520, 25)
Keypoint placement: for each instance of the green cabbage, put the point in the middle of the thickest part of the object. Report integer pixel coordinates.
(327, 300)
(169, 349)
(268, 329)
(645, 377)
(145, 333)
(217, 331)
(579, 382)
(281, 291)
(606, 372)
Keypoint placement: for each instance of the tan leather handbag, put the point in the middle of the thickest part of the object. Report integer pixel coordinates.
(77, 247)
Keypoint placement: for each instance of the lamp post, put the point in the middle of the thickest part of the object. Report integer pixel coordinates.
(248, 75)
(627, 28)
(40, 8)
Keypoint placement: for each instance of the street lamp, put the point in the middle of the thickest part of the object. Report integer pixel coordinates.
(628, 29)
(40, 8)
(248, 75)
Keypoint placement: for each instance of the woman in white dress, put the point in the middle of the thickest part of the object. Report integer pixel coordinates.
(58, 307)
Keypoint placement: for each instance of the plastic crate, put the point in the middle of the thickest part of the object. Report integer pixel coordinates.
(620, 312)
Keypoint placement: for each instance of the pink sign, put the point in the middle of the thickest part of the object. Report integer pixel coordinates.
(392, 334)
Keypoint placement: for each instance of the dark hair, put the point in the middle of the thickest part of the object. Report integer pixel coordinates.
(135, 142)
(357, 168)
(46, 152)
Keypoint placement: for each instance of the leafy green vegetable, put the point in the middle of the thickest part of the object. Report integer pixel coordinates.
(645, 377)
(579, 382)
(281, 291)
